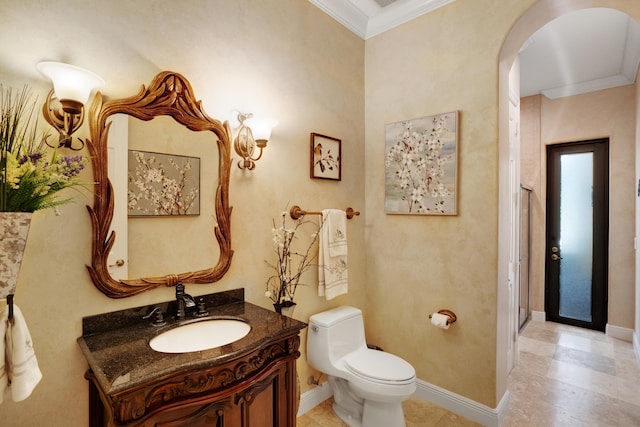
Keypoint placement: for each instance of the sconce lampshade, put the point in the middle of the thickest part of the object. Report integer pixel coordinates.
(261, 127)
(72, 87)
(70, 82)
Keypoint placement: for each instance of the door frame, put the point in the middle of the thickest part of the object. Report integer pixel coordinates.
(600, 269)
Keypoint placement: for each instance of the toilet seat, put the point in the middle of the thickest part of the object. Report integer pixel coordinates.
(380, 367)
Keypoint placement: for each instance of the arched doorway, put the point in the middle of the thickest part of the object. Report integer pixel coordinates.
(543, 12)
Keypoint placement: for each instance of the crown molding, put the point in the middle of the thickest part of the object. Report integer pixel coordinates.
(367, 20)
(586, 87)
(399, 13)
(345, 13)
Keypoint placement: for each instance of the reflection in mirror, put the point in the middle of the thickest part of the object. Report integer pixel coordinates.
(164, 118)
(118, 140)
(191, 246)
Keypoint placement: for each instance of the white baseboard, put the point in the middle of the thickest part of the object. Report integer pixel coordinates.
(453, 402)
(461, 405)
(636, 346)
(538, 316)
(315, 396)
(619, 332)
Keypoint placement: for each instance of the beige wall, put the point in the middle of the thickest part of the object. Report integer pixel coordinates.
(283, 58)
(443, 61)
(287, 59)
(607, 113)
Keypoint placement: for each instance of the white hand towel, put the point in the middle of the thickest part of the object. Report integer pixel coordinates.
(332, 254)
(4, 377)
(20, 371)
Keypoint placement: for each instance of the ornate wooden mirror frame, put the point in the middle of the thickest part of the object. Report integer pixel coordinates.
(168, 94)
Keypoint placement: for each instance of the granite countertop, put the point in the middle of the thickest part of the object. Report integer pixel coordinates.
(116, 345)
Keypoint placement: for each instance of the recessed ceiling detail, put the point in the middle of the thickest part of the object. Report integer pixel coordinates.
(583, 51)
(368, 18)
(385, 3)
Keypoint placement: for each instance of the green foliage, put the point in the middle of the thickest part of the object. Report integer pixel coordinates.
(29, 180)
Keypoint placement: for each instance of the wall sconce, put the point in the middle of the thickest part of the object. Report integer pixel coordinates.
(253, 132)
(64, 107)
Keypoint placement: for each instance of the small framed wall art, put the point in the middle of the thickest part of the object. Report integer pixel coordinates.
(421, 165)
(326, 157)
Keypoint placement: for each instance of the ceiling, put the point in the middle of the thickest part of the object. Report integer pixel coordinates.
(580, 52)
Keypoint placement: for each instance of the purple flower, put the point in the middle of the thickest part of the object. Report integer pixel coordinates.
(32, 157)
(73, 165)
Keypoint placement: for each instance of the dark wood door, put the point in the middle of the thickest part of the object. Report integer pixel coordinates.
(577, 233)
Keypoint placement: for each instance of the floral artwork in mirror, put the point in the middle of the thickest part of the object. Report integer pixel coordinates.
(163, 184)
(421, 165)
(168, 96)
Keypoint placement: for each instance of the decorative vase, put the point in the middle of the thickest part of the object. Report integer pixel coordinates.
(14, 229)
(285, 308)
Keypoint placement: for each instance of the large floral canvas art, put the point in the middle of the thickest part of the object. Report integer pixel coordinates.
(163, 184)
(421, 165)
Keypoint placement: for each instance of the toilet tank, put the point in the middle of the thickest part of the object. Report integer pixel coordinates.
(333, 334)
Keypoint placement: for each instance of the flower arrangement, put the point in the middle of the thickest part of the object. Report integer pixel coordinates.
(29, 180)
(291, 264)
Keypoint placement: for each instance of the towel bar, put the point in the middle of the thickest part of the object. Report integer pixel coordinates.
(297, 212)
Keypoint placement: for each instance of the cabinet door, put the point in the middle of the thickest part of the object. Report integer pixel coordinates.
(266, 403)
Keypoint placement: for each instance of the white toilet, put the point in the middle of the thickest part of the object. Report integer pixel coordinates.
(369, 386)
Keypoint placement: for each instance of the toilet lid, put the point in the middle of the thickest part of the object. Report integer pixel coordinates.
(379, 365)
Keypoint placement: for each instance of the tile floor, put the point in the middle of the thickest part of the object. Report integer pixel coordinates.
(417, 413)
(567, 376)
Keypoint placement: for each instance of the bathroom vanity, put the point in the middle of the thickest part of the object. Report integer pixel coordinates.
(251, 381)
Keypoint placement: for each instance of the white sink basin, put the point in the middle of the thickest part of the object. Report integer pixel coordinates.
(201, 335)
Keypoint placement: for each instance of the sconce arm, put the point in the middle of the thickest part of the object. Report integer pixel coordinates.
(66, 119)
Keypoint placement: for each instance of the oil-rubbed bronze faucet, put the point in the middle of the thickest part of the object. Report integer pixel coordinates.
(157, 316)
(184, 300)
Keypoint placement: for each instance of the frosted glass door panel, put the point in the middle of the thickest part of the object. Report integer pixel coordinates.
(576, 235)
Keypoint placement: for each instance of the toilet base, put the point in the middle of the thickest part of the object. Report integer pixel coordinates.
(346, 405)
(357, 412)
(382, 414)
(346, 416)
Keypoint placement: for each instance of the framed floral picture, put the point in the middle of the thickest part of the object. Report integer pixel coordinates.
(326, 157)
(163, 184)
(421, 165)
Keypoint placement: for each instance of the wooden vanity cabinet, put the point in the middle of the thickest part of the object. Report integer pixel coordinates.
(258, 390)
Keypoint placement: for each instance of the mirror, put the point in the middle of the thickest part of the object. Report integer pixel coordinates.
(176, 205)
(169, 94)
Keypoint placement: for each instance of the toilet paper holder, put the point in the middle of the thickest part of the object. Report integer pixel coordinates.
(450, 314)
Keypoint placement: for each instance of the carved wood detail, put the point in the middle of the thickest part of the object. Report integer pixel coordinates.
(135, 403)
(168, 94)
(247, 395)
